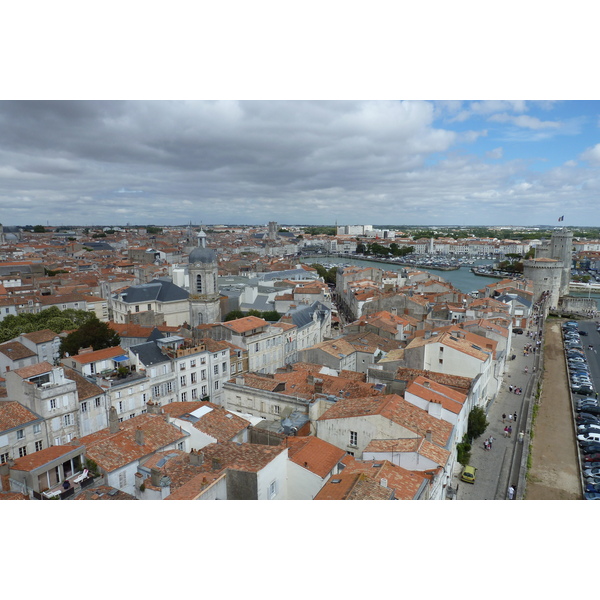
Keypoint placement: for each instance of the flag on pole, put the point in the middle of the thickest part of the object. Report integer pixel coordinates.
(561, 218)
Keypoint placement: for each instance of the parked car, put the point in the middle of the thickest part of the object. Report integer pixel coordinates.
(591, 465)
(588, 428)
(588, 448)
(592, 487)
(581, 332)
(583, 389)
(592, 495)
(589, 409)
(588, 421)
(517, 330)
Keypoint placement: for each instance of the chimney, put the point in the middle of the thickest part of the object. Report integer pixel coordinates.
(155, 476)
(216, 464)
(318, 386)
(196, 458)
(152, 408)
(428, 435)
(113, 420)
(427, 384)
(5, 477)
(139, 436)
(383, 482)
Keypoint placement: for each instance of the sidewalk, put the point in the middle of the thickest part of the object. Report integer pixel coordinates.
(494, 465)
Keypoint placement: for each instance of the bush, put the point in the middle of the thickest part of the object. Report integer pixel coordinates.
(477, 423)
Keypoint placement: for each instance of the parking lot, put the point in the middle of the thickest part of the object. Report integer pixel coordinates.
(555, 472)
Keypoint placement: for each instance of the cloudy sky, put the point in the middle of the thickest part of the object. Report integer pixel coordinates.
(313, 162)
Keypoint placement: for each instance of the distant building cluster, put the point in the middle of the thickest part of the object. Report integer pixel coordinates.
(240, 372)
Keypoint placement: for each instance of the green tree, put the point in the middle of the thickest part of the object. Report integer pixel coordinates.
(477, 423)
(39, 229)
(234, 314)
(271, 315)
(94, 333)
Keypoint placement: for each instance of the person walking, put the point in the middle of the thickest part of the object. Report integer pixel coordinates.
(504, 416)
(515, 417)
(511, 493)
(490, 440)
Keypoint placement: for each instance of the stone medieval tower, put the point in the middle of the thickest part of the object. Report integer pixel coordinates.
(204, 296)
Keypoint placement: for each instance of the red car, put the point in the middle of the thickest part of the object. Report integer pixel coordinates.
(592, 457)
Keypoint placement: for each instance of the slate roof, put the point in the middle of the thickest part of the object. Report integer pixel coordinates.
(149, 354)
(159, 290)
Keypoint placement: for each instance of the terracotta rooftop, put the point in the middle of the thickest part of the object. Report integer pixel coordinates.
(396, 409)
(43, 457)
(403, 482)
(13, 414)
(104, 354)
(111, 451)
(34, 370)
(245, 324)
(314, 454)
(85, 388)
(16, 350)
(41, 337)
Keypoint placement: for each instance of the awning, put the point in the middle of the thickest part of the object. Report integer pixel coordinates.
(121, 358)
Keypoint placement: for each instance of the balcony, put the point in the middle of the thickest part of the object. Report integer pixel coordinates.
(76, 482)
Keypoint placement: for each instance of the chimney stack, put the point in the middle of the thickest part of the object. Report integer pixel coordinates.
(139, 436)
(318, 386)
(428, 435)
(155, 476)
(152, 408)
(196, 458)
(113, 420)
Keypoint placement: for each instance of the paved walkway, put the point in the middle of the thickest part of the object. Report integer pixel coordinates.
(494, 466)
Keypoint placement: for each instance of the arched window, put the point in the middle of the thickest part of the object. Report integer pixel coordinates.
(199, 284)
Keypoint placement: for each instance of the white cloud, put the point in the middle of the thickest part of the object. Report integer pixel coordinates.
(495, 153)
(591, 155)
(525, 121)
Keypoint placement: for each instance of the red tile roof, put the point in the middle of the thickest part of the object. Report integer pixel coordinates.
(314, 454)
(13, 414)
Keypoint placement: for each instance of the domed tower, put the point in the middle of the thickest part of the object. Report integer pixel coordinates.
(204, 293)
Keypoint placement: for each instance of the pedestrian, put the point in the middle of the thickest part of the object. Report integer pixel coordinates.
(510, 388)
(509, 430)
(526, 370)
(521, 436)
(515, 417)
(506, 431)
(490, 441)
(510, 417)
(485, 445)
(511, 493)
(504, 416)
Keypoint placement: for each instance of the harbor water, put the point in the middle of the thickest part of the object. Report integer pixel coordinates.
(462, 279)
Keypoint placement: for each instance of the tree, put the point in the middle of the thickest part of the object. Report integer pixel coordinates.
(94, 333)
(271, 315)
(39, 229)
(234, 314)
(477, 423)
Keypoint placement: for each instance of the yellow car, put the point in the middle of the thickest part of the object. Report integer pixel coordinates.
(468, 474)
